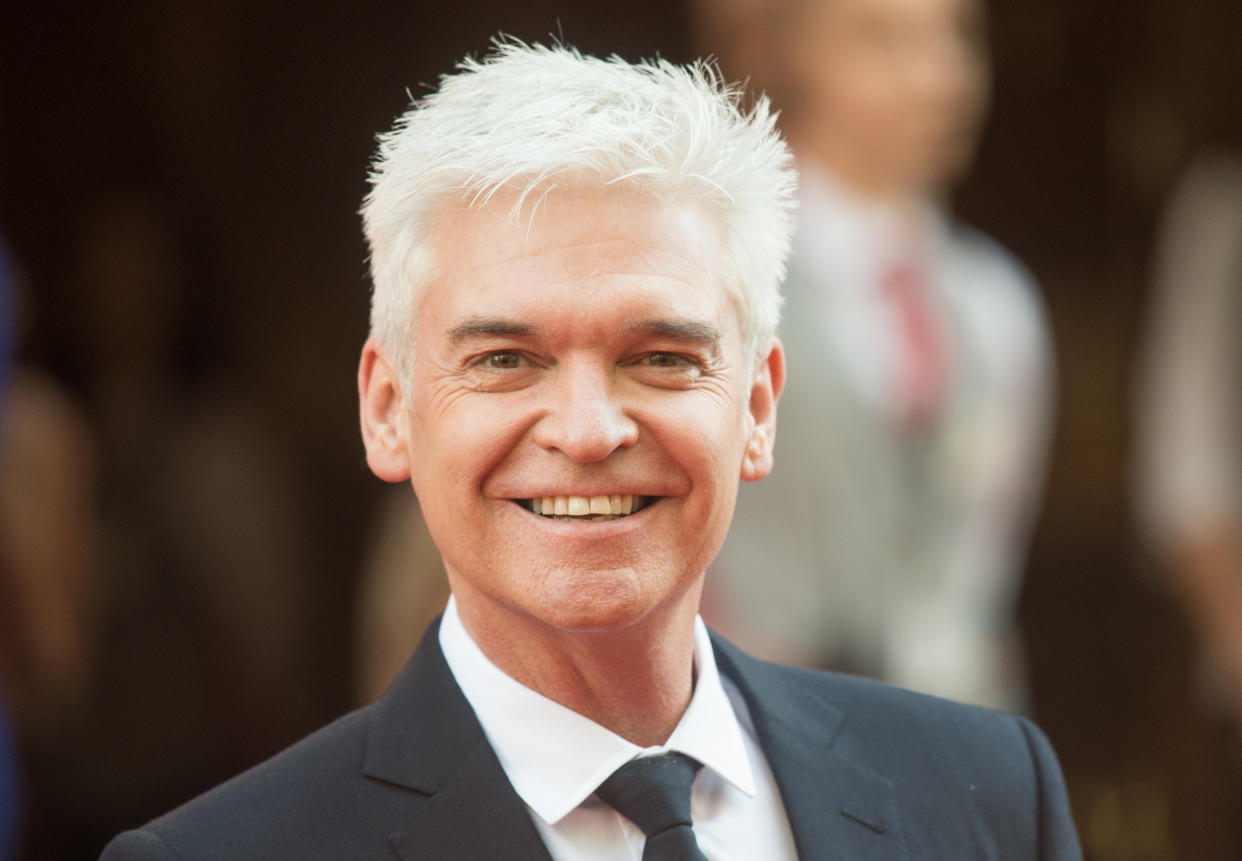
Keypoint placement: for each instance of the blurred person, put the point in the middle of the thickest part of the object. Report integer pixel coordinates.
(915, 426)
(48, 594)
(202, 514)
(572, 360)
(48, 566)
(183, 532)
(48, 530)
(1188, 469)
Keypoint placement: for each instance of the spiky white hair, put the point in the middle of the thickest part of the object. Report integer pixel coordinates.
(527, 117)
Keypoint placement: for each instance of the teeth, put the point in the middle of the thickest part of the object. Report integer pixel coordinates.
(602, 507)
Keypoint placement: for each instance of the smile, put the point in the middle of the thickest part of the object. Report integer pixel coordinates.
(586, 508)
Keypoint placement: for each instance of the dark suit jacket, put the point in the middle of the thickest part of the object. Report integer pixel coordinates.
(866, 772)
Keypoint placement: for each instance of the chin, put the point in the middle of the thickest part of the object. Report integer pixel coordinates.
(597, 601)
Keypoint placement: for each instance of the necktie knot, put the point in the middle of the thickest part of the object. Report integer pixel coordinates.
(653, 792)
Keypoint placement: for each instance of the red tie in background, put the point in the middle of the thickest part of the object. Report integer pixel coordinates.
(920, 367)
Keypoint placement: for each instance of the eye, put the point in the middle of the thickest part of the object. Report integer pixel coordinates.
(665, 360)
(505, 360)
(662, 368)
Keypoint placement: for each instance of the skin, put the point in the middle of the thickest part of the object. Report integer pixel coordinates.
(889, 94)
(584, 349)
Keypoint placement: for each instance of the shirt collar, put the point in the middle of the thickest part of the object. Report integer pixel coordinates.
(555, 757)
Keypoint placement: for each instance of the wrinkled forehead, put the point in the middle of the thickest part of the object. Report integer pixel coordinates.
(585, 232)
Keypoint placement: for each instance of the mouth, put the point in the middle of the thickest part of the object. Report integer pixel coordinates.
(587, 509)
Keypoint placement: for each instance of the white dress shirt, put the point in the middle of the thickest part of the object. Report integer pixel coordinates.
(555, 758)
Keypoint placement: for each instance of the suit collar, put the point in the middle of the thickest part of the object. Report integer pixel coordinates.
(423, 735)
(555, 757)
(836, 806)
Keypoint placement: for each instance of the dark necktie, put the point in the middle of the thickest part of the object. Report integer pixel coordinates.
(653, 792)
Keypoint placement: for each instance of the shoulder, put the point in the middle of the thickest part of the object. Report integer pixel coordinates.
(904, 732)
(995, 774)
(268, 811)
(998, 300)
(345, 791)
(864, 716)
(1212, 182)
(971, 247)
(878, 716)
(957, 773)
(938, 736)
(1202, 220)
(990, 273)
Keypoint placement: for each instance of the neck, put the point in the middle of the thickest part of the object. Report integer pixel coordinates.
(635, 681)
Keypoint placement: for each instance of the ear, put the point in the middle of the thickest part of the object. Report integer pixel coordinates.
(764, 393)
(381, 405)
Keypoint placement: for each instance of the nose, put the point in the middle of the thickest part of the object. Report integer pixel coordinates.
(585, 420)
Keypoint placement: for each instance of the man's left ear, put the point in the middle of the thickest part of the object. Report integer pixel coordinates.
(764, 393)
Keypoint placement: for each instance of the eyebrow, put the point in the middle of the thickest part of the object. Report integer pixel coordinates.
(677, 330)
(476, 327)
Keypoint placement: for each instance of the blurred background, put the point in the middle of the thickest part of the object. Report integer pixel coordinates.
(189, 536)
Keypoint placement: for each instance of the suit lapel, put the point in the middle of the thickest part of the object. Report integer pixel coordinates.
(474, 814)
(424, 736)
(837, 808)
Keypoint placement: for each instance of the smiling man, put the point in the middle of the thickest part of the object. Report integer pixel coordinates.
(573, 362)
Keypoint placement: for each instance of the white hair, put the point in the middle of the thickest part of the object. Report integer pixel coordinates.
(527, 117)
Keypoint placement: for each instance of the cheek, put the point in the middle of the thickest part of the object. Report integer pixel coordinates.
(456, 442)
(708, 442)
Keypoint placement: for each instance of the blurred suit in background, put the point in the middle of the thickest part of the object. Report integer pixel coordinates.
(915, 425)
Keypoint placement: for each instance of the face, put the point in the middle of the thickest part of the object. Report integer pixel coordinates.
(580, 412)
(900, 86)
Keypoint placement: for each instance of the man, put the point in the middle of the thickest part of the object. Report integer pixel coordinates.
(915, 430)
(1187, 480)
(1188, 472)
(573, 362)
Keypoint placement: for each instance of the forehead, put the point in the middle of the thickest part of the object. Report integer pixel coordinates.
(822, 12)
(571, 247)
